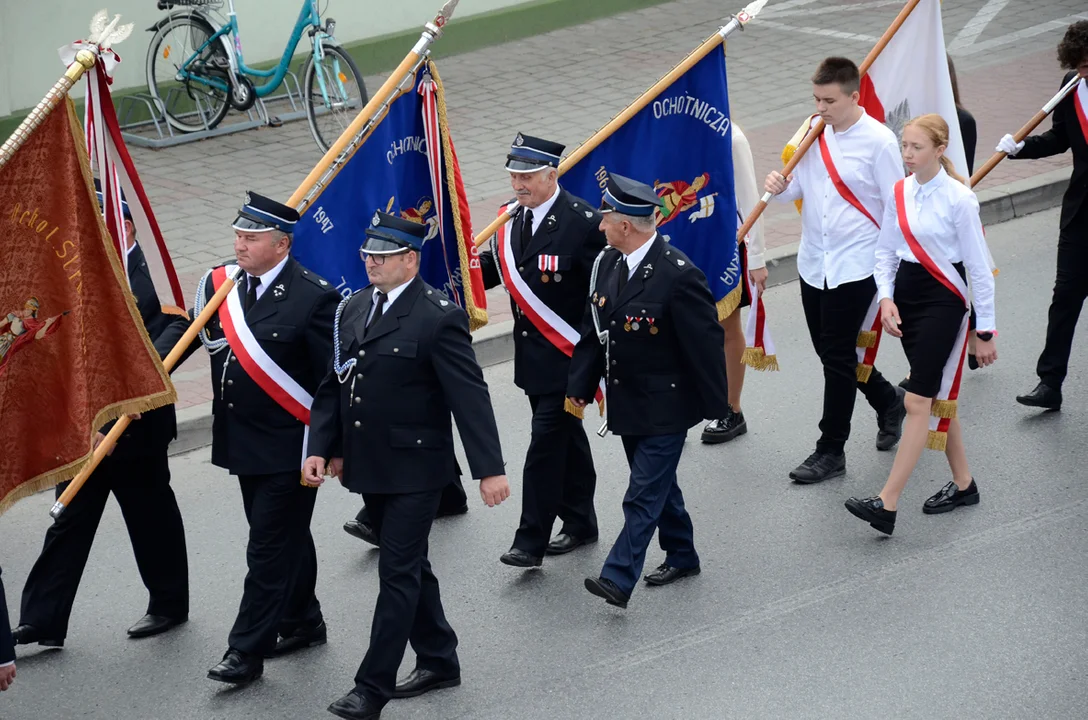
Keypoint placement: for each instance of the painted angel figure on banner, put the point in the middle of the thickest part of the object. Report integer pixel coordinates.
(22, 327)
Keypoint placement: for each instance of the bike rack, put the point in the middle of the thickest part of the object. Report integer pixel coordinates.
(158, 133)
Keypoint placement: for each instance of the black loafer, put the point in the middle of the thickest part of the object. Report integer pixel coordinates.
(237, 668)
(872, 511)
(665, 574)
(300, 639)
(150, 625)
(450, 512)
(951, 497)
(354, 706)
(28, 634)
(1043, 396)
(520, 558)
(890, 422)
(819, 466)
(608, 590)
(563, 543)
(363, 531)
(420, 681)
(724, 429)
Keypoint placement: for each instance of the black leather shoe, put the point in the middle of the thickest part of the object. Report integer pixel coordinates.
(420, 681)
(150, 625)
(563, 543)
(363, 531)
(607, 589)
(448, 512)
(872, 511)
(237, 668)
(665, 574)
(520, 558)
(300, 639)
(951, 497)
(890, 422)
(27, 634)
(354, 706)
(1043, 396)
(819, 466)
(725, 429)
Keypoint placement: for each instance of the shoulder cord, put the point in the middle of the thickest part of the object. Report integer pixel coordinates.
(342, 370)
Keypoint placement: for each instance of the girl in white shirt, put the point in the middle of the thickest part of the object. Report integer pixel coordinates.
(930, 240)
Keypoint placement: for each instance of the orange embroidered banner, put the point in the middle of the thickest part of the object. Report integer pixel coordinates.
(73, 351)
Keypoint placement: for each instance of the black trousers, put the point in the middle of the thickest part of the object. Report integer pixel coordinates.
(834, 318)
(278, 593)
(409, 608)
(558, 479)
(453, 499)
(1070, 291)
(142, 488)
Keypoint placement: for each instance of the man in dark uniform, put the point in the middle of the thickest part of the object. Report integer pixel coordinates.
(381, 423)
(7, 645)
(550, 244)
(654, 335)
(137, 472)
(263, 374)
(1069, 131)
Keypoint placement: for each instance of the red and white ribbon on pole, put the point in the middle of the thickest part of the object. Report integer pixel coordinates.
(432, 133)
(117, 173)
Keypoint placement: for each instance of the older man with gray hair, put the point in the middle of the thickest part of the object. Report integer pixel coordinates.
(652, 330)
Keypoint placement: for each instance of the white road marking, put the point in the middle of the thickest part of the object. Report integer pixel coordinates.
(969, 33)
(1053, 25)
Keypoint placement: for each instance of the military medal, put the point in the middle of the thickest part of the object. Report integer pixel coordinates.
(558, 277)
(544, 277)
(653, 328)
(632, 323)
(600, 302)
(546, 264)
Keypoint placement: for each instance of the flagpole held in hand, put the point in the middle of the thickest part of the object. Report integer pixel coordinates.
(818, 128)
(1026, 130)
(737, 22)
(106, 446)
(368, 118)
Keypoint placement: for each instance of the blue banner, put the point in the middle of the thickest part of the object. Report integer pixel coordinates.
(390, 172)
(681, 143)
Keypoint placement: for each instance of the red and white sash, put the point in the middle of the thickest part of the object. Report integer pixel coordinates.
(1080, 104)
(942, 270)
(262, 369)
(554, 328)
(759, 353)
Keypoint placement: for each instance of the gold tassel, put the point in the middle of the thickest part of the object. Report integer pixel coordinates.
(996, 272)
(791, 149)
(937, 441)
(867, 339)
(600, 406)
(864, 372)
(770, 363)
(573, 409)
(757, 359)
(729, 304)
(944, 408)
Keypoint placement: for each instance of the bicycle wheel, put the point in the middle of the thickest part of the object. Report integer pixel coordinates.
(330, 109)
(188, 104)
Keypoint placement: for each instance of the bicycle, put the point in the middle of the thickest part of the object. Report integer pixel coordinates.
(196, 74)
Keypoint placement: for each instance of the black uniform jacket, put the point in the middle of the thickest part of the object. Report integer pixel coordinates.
(666, 358)
(292, 322)
(390, 420)
(571, 232)
(152, 433)
(1065, 133)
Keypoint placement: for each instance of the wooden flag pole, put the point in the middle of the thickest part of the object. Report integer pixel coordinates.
(122, 423)
(318, 178)
(736, 23)
(818, 128)
(1026, 130)
(359, 129)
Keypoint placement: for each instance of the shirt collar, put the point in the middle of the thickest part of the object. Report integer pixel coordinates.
(130, 248)
(270, 277)
(860, 121)
(638, 253)
(542, 210)
(922, 191)
(395, 293)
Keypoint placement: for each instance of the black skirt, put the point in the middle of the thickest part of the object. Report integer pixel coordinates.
(931, 315)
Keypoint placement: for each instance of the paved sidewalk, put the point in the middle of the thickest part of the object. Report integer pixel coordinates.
(568, 83)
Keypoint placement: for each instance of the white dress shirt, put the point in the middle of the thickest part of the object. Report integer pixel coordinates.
(392, 297)
(636, 256)
(838, 243)
(269, 277)
(541, 211)
(948, 216)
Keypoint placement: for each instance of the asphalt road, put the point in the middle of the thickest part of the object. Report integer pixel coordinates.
(802, 611)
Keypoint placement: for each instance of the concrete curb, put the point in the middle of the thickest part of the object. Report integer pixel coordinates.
(494, 344)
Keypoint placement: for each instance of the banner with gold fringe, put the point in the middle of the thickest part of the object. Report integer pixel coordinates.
(73, 351)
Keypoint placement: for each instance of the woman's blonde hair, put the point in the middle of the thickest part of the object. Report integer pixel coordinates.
(934, 126)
